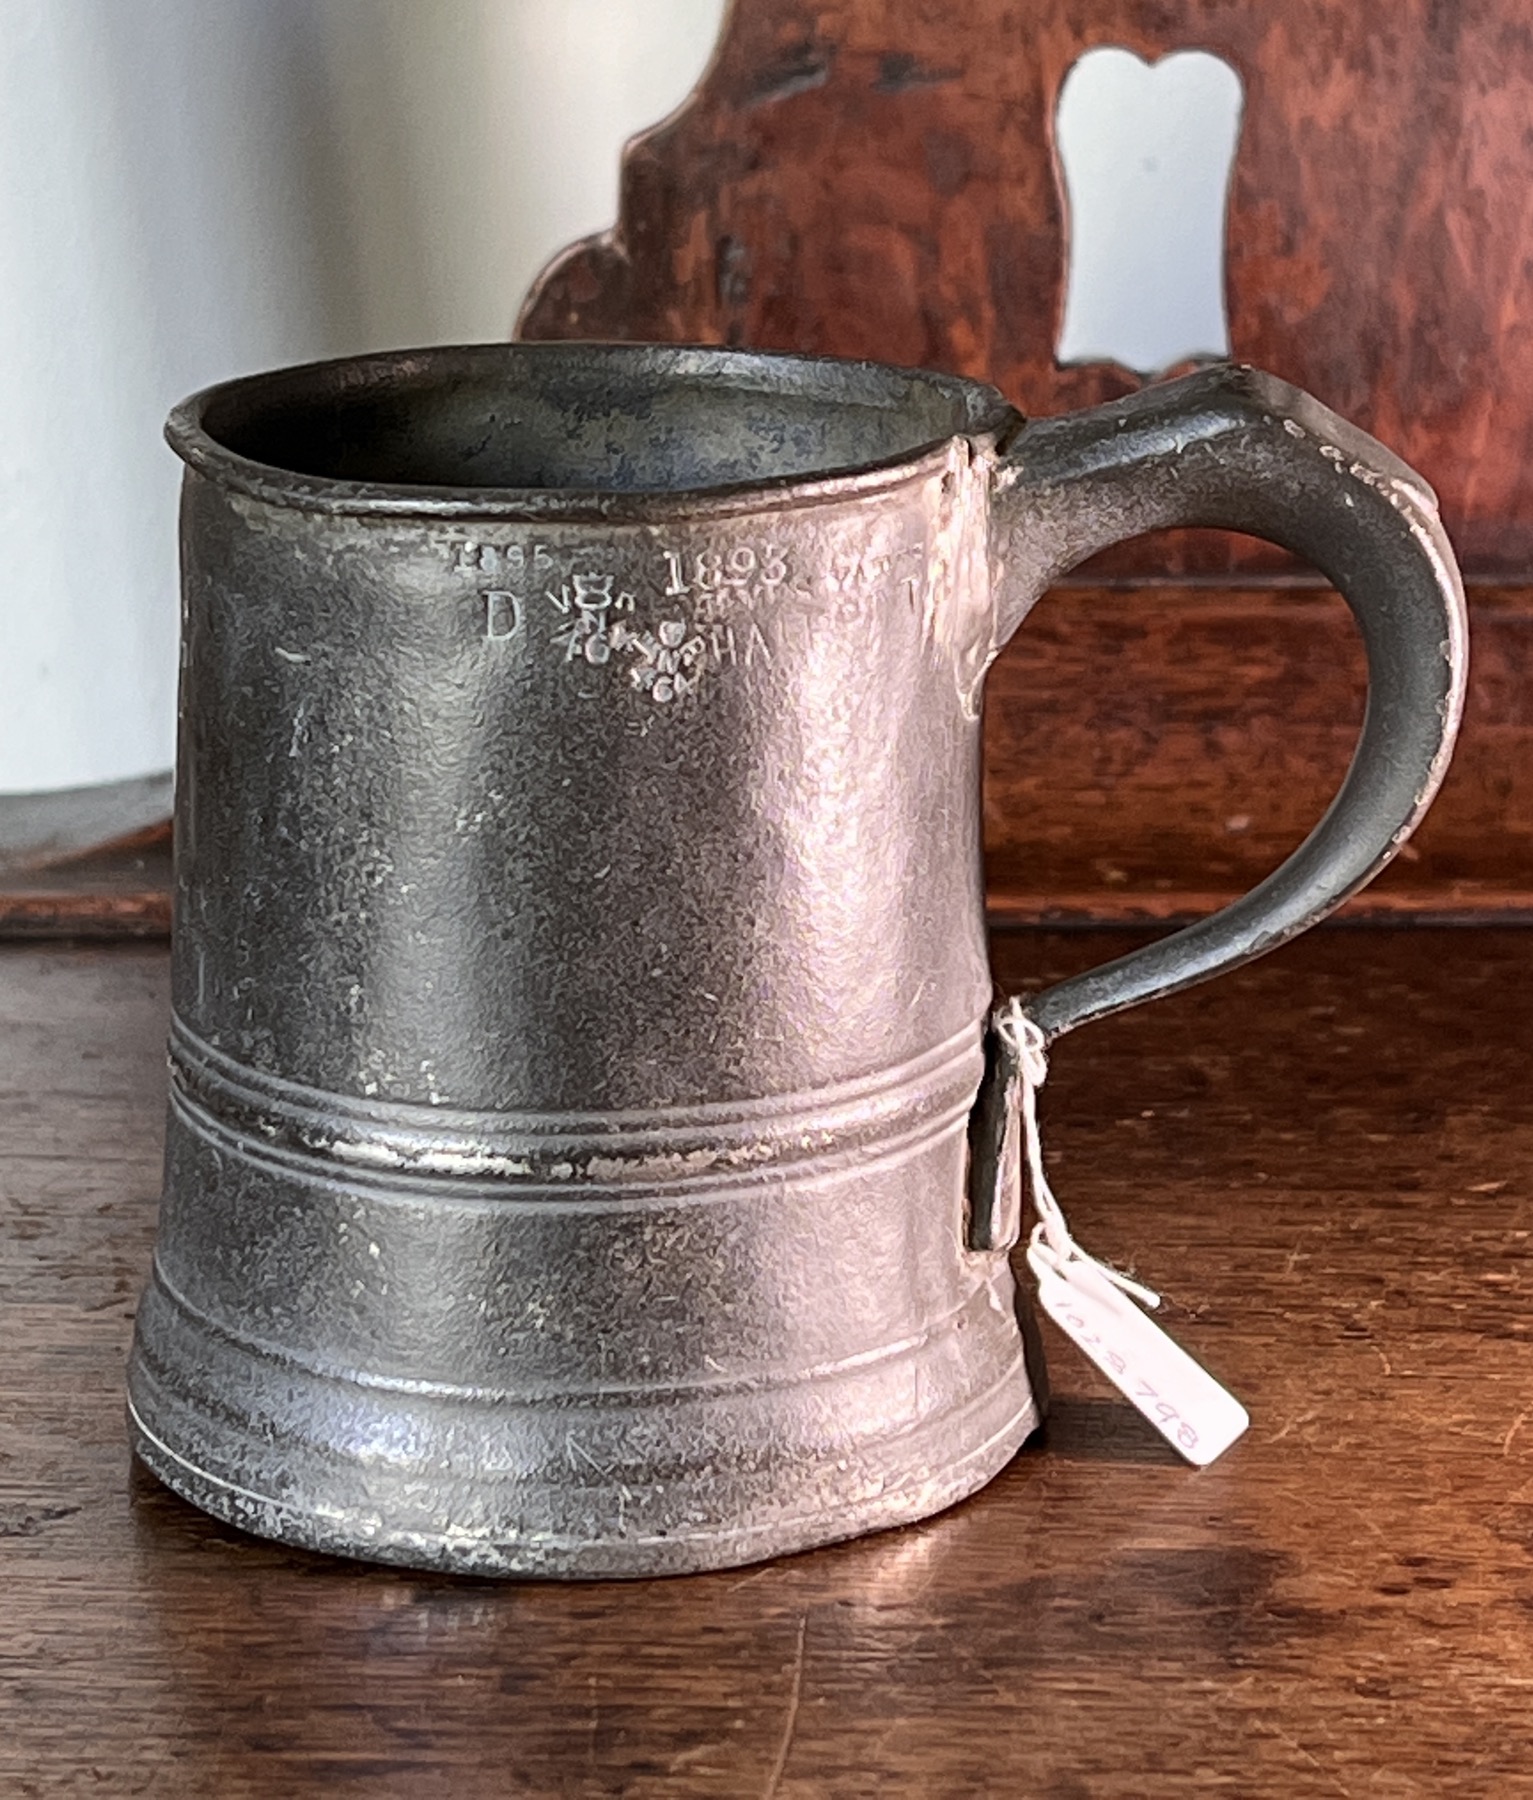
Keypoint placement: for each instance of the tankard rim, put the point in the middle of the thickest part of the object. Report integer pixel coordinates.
(198, 427)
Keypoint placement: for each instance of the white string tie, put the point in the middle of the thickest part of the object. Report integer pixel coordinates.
(1092, 1302)
(1051, 1246)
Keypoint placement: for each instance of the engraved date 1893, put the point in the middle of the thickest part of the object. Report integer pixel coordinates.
(697, 613)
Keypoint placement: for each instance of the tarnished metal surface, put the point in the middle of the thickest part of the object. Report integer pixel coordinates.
(581, 1154)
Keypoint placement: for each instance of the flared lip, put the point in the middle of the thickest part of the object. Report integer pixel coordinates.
(981, 416)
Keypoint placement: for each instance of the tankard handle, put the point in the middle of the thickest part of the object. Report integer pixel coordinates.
(1238, 449)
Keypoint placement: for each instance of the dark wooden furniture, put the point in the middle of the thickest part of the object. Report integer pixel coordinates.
(117, 890)
(1324, 1159)
(875, 178)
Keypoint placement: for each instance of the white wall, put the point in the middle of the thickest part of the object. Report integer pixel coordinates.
(507, 122)
(155, 235)
(194, 188)
(191, 189)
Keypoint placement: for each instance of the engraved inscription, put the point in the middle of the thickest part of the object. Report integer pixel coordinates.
(512, 565)
(590, 605)
(692, 615)
(669, 664)
(717, 582)
(727, 594)
(741, 646)
(503, 614)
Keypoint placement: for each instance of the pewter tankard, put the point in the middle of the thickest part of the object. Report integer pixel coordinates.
(590, 1152)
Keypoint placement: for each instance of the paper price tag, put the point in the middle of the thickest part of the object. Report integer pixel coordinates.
(1092, 1304)
(1191, 1411)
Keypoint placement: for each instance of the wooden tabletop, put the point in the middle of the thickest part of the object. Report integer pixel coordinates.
(1325, 1162)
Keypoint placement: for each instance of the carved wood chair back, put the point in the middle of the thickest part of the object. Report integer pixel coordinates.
(878, 178)
(872, 178)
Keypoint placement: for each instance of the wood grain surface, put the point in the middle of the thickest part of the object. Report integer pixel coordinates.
(117, 890)
(876, 178)
(1324, 1160)
(1153, 751)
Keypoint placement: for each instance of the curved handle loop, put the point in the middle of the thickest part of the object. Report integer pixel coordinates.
(1235, 448)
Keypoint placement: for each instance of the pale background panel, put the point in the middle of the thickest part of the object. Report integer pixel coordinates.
(190, 191)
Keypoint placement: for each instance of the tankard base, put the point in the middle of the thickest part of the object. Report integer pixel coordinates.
(627, 1558)
(731, 1480)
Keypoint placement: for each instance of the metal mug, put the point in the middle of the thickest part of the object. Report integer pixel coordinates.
(589, 1149)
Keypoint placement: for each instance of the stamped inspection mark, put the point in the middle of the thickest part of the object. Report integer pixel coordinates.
(668, 625)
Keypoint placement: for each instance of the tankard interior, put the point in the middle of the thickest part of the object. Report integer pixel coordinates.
(581, 417)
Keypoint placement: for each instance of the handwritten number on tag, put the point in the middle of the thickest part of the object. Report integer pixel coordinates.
(1142, 1392)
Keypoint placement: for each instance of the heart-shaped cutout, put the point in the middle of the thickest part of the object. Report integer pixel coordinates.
(1146, 151)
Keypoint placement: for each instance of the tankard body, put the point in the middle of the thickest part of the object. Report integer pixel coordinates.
(587, 1145)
